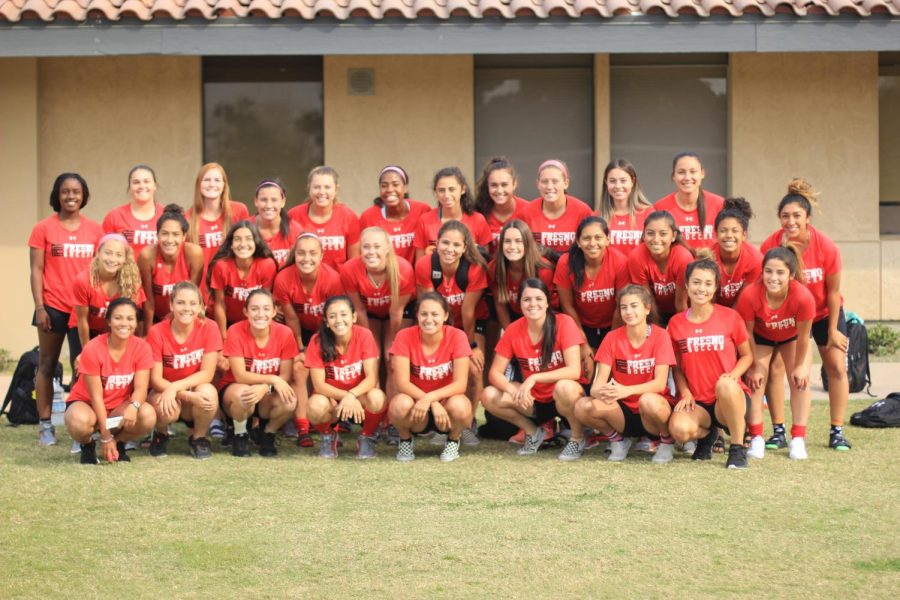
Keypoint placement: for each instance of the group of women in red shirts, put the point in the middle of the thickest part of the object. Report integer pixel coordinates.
(644, 321)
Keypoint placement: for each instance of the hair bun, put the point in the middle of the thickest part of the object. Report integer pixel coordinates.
(173, 208)
(739, 204)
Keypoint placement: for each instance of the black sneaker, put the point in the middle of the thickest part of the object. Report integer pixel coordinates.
(240, 445)
(777, 441)
(704, 448)
(837, 441)
(737, 457)
(200, 448)
(229, 436)
(123, 456)
(89, 453)
(159, 444)
(267, 444)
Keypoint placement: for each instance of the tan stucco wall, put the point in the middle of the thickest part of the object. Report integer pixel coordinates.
(816, 116)
(420, 117)
(601, 121)
(19, 173)
(890, 279)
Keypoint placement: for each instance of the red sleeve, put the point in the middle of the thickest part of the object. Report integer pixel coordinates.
(483, 235)
(212, 339)
(567, 332)
(460, 343)
(682, 259)
(89, 363)
(367, 347)
(217, 279)
(504, 346)
(312, 357)
(349, 275)
(636, 271)
(477, 279)
(351, 226)
(400, 346)
(232, 341)
(738, 328)
(335, 287)
(407, 277)
(109, 222)
(143, 357)
(620, 268)
(141, 297)
(239, 211)
(744, 305)
(267, 272)
(606, 352)
(662, 351)
(561, 274)
(423, 273)
(806, 303)
(771, 241)
(38, 236)
(420, 240)
(280, 292)
(831, 256)
(288, 343)
(81, 293)
(154, 338)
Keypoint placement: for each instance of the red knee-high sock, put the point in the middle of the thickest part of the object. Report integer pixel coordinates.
(798, 431)
(302, 425)
(371, 423)
(755, 429)
(324, 428)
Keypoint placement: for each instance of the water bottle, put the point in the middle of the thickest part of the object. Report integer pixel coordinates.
(58, 408)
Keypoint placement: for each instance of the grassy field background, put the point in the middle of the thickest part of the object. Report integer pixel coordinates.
(489, 525)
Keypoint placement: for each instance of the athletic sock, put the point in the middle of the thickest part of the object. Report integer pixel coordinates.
(45, 424)
(798, 431)
(302, 426)
(371, 423)
(756, 429)
(837, 429)
(614, 436)
(778, 428)
(262, 424)
(240, 427)
(666, 439)
(323, 428)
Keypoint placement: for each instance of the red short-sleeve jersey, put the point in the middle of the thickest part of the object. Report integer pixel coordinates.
(210, 234)
(820, 259)
(96, 301)
(430, 223)
(625, 235)
(430, 372)
(346, 370)
(66, 254)
(338, 233)
(595, 300)
(747, 270)
(544, 273)
(634, 366)
(555, 234)
(164, 281)
(402, 233)
(183, 360)
(239, 341)
(517, 345)
(139, 234)
(377, 298)
(688, 221)
(707, 349)
(450, 290)
(309, 306)
(643, 270)
(282, 245)
(495, 225)
(776, 324)
(226, 278)
(117, 377)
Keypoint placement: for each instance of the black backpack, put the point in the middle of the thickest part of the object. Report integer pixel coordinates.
(19, 405)
(884, 413)
(437, 275)
(858, 374)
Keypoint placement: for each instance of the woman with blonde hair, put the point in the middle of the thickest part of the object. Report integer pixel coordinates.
(623, 205)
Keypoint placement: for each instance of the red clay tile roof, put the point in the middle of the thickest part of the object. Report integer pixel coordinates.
(308, 10)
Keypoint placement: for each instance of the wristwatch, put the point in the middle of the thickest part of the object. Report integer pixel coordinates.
(136, 404)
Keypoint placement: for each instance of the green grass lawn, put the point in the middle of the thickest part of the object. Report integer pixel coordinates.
(489, 525)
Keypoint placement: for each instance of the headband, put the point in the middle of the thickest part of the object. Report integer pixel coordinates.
(268, 183)
(309, 234)
(554, 163)
(112, 236)
(396, 170)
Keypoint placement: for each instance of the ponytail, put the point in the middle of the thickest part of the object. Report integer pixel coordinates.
(548, 334)
(284, 226)
(789, 254)
(327, 341)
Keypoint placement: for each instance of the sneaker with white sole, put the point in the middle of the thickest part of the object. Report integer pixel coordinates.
(664, 454)
(689, 447)
(469, 437)
(365, 447)
(328, 447)
(532, 443)
(133, 445)
(46, 434)
(798, 449)
(573, 450)
(405, 452)
(619, 450)
(75, 449)
(644, 444)
(757, 448)
(451, 451)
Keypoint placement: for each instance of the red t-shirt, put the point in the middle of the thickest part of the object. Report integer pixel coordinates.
(355, 278)
(595, 301)
(625, 236)
(345, 371)
(495, 225)
(66, 254)
(516, 344)
(280, 244)
(117, 378)
(164, 281)
(643, 270)
(337, 234)
(707, 349)
(688, 221)
(139, 234)
(96, 301)
(555, 234)
(239, 341)
(634, 366)
(544, 273)
(225, 278)
(210, 234)
(401, 233)
(747, 270)
(433, 371)
(776, 324)
(450, 290)
(820, 259)
(183, 360)
(310, 307)
(430, 223)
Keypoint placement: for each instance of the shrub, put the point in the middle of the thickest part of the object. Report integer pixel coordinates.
(883, 340)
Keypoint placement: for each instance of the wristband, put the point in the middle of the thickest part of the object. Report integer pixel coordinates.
(108, 440)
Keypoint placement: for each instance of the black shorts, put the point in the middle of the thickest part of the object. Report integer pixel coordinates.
(481, 326)
(543, 412)
(594, 335)
(820, 328)
(409, 312)
(305, 336)
(59, 320)
(711, 410)
(634, 427)
(430, 426)
(664, 319)
(761, 341)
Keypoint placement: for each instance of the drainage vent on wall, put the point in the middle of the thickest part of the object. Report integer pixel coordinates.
(360, 82)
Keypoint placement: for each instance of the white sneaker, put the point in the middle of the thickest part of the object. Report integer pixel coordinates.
(76, 448)
(469, 437)
(798, 449)
(757, 447)
(664, 454)
(689, 447)
(619, 450)
(47, 435)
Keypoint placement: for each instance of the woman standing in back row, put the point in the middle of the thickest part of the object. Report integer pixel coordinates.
(137, 219)
(693, 208)
(395, 212)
